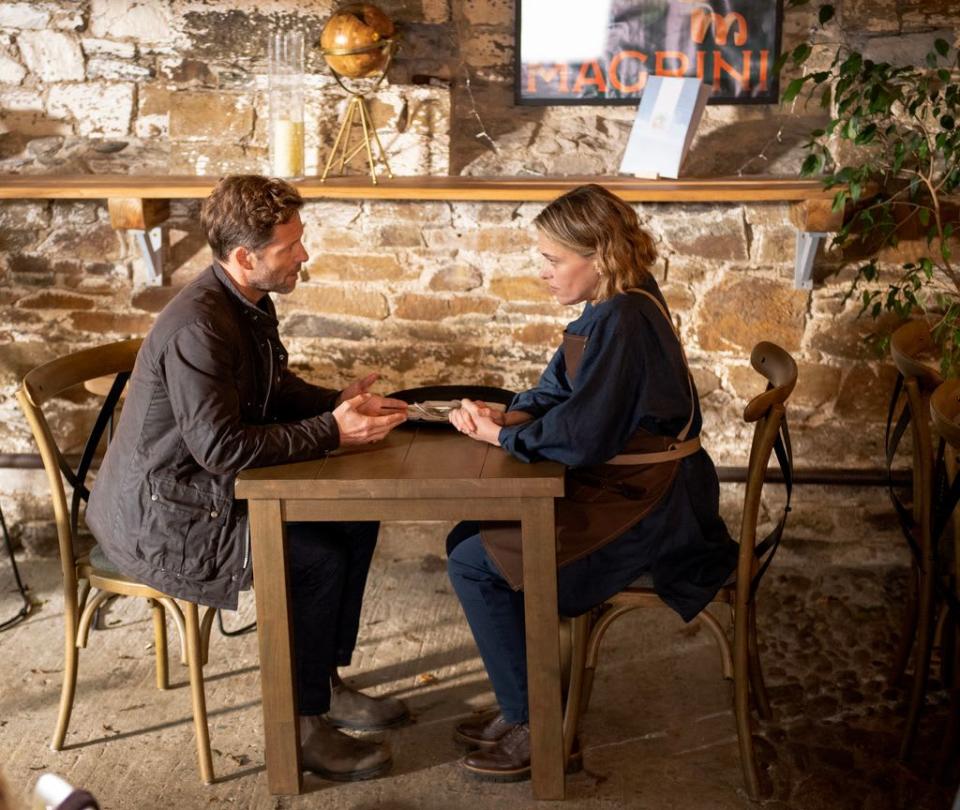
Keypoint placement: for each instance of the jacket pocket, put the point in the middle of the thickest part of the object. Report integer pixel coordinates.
(188, 524)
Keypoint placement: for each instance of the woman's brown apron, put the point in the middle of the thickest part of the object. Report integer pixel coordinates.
(604, 500)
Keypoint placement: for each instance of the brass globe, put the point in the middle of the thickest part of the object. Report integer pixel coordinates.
(357, 40)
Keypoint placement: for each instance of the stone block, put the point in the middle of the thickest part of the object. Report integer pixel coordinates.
(488, 12)
(336, 239)
(816, 385)
(705, 380)
(413, 211)
(774, 245)
(865, 393)
(99, 67)
(99, 108)
(122, 19)
(848, 336)
(334, 300)
(737, 313)
(107, 47)
(414, 307)
(214, 115)
(153, 299)
(11, 71)
(744, 382)
(488, 48)
(356, 266)
(18, 214)
(66, 213)
(94, 243)
(332, 214)
(69, 19)
(399, 234)
(679, 298)
(315, 326)
(51, 55)
(922, 14)
(216, 158)
(457, 279)
(707, 233)
(520, 288)
(111, 323)
(539, 334)
(190, 72)
(24, 16)
(16, 359)
(56, 299)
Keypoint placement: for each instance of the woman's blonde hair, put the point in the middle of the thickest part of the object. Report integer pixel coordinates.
(592, 221)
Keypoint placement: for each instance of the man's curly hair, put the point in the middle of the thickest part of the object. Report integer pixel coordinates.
(243, 210)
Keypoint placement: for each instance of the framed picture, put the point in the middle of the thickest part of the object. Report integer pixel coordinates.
(603, 51)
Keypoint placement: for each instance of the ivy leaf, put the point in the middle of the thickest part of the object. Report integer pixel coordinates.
(811, 165)
(942, 46)
(826, 14)
(793, 89)
(800, 53)
(947, 122)
(924, 216)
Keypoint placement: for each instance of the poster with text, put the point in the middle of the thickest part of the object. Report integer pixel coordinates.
(603, 51)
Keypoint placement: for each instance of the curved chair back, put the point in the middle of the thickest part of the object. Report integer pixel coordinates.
(38, 387)
(768, 412)
(945, 412)
(912, 348)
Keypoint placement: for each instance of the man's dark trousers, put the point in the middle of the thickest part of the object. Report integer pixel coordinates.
(328, 565)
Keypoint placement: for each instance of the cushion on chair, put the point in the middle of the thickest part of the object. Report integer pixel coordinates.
(99, 560)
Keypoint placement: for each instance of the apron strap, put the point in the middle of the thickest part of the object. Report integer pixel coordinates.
(674, 452)
(686, 428)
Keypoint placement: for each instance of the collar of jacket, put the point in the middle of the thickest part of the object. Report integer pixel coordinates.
(264, 312)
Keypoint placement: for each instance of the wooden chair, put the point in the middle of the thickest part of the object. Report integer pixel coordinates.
(92, 572)
(910, 345)
(741, 661)
(945, 413)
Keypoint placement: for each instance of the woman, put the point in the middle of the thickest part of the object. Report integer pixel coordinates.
(617, 405)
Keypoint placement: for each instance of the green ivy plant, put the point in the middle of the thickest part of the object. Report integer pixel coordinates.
(891, 152)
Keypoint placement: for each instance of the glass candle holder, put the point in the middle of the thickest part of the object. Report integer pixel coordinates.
(286, 104)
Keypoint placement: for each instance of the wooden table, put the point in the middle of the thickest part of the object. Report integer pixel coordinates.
(428, 473)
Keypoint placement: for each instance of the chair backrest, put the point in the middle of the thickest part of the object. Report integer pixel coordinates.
(46, 382)
(945, 412)
(769, 414)
(912, 348)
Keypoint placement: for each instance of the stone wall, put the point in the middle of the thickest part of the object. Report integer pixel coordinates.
(424, 292)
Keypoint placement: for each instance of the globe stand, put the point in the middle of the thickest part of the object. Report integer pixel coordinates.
(357, 111)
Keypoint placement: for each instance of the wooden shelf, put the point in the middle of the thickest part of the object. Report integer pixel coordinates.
(491, 189)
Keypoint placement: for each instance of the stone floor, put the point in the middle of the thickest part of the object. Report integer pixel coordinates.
(660, 731)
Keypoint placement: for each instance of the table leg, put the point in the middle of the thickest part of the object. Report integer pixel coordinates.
(543, 647)
(280, 725)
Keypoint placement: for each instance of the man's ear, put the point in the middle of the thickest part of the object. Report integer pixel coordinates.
(242, 256)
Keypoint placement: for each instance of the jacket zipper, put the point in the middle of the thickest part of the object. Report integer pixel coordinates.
(246, 547)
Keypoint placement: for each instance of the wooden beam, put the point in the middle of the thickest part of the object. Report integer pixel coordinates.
(137, 213)
(507, 189)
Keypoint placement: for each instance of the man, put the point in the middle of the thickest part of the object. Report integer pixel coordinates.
(211, 394)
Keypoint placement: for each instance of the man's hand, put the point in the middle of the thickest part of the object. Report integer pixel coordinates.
(357, 387)
(376, 405)
(359, 426)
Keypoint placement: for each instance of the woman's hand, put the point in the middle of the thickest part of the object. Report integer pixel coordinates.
(478, 420)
